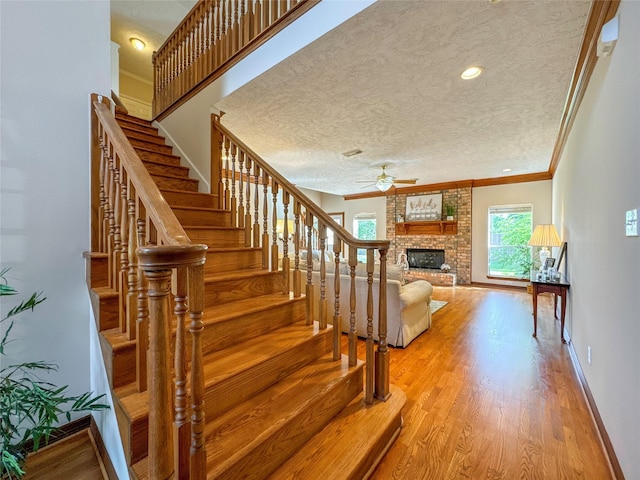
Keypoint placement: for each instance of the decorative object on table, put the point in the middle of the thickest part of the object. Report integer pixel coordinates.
(549, 263)
(30, 406)
(544, 235)
(445, 268)
(449, 211)
(424, 208)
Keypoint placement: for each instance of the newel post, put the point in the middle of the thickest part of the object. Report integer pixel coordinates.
(382, 354)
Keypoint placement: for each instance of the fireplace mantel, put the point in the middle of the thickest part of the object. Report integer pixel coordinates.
(427, 228)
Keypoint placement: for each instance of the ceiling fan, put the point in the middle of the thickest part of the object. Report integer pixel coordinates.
(384, 182)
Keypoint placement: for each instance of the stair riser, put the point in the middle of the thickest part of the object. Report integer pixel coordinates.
(137, 127)
(97, 271)
(203, 218)
(291, 435)
(176, 183)
(106, 310)
(220, 335)
(167, 149)
(222, 262)
(224, 395)
(190, 199)
(162, 169)
(120, 362)
(145, 137)
(225, 291)
(121, 117)
(157, 157)
(223, 238)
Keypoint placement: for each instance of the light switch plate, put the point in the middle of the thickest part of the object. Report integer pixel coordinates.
(631, 223)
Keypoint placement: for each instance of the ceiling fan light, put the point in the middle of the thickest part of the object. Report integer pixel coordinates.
(384, 184)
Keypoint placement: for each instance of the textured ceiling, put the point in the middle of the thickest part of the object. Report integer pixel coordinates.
(387, 82)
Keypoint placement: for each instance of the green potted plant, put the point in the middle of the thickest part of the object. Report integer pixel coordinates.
(30, 407)
(450, 211)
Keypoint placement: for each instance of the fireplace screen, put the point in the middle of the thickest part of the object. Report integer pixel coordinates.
(425, 258)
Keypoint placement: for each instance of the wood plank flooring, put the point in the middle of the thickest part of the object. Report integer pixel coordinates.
(486, 400)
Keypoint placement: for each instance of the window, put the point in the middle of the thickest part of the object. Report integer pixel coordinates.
(509, 231)
(364, 228)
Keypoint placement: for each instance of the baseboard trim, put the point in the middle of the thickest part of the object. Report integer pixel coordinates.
(101, 451)
(614, 465)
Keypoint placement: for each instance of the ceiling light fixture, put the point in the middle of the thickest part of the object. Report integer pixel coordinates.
(471, 72)
(137, 43)
(506, 170)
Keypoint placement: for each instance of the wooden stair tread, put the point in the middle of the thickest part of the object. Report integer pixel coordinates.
(358, 429)
(223, 364)
(149, 150)
(238, 430)
(239, 274)
(199, 209)
(227, 311)
(176, 177)
(187, 192)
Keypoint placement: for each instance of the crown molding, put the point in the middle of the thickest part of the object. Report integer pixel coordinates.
(601, 12)
(482, 182)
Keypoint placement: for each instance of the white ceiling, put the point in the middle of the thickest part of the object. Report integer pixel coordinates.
(387, 82)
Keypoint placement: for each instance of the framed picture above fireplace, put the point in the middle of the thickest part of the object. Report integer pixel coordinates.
(424, 208)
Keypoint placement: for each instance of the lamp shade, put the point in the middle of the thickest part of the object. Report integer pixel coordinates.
(545, 236)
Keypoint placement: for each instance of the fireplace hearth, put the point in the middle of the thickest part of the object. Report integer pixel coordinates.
(425, 258)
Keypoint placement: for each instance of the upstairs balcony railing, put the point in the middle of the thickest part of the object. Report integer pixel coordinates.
(214, 36)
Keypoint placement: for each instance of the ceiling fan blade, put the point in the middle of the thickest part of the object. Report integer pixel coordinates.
(412, 182)
(366, 181)
(370, 185)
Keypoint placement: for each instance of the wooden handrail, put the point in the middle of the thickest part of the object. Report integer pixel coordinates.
(232, 158)
(317, 211)
(145, 244)
(214, 36)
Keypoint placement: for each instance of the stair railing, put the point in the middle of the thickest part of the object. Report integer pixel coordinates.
(215, 35)
(136, 228)
(301, 220)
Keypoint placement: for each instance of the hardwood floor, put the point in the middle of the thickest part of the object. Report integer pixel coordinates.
(486, 400)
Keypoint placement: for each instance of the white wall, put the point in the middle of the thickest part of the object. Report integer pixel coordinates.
(598, 179)
(377, 205)
(537, 194)
(54, 55)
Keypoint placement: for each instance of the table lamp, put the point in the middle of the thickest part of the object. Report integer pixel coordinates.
(544, 236)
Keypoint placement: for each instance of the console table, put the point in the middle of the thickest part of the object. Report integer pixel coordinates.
(559, 289)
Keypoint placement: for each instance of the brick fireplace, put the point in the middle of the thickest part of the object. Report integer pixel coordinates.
(456, 246)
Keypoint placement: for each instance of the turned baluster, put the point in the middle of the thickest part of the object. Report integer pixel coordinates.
(265, 220)
(235, 30)
(142, 325)
(227, 191)
(224, 34)
(257, 18)
(240, 220)
(124, 254)
(117, 240)
(382, 354)
(181, 427)
(309, 288)
(297, 278)
(256, 220)
(132, 275)
(247, 215)
(285, 242)
(369, 341)
(103, 198)
(353, 337)
(337, 318)
(274, 224)
(196, 306)
(234, 200)
(110, 220)
(322, 321)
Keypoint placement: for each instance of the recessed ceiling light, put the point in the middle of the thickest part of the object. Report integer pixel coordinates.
(471, 72)
(137, 43)
(506, 170)
(495, 1)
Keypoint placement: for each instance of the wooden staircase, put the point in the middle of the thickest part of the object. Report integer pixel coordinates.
(276, 404)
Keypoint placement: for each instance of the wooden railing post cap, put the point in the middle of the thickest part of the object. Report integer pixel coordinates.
(162, 257)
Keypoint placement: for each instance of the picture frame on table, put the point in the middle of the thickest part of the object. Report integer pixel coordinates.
(549, 263)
